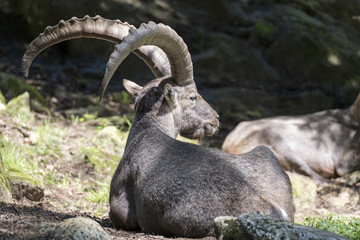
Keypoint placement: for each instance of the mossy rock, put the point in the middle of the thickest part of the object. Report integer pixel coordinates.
(14, 86)
(106, 149)
(19, 185)
(20, 176)
(100, 159)
(20, 189)
(247, 68)
(255, 226)
(5, 193)
(19, 106)
(304, 191)
(2, 99)
(316, 51)
(80, 228)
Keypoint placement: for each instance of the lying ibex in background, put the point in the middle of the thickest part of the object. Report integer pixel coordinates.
(162, 185)
(322, 145)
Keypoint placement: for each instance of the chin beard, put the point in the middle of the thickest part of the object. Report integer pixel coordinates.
(200, 133)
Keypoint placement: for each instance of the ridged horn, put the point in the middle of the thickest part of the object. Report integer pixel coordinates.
(94, 27)
(159, 35)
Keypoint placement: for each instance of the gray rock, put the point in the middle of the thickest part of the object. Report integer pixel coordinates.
(79, 228)
(247, 65)
(265, 228)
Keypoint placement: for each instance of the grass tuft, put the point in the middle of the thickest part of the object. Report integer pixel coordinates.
(348, 227)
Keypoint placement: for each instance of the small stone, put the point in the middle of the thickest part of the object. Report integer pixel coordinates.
(80, 228)
(21, 189)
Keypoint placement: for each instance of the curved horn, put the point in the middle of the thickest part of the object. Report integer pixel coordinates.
(159, 35)
(94, 27)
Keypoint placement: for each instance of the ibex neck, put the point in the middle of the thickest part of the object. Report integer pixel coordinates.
(161, 122)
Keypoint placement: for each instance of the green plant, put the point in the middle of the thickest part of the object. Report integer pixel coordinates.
(14, 158)
(122, 97)
(16, 163)
(49, 178)
(265, 30)
(74, 119)
(255, 113)
(48, 139)
(99, 194)
(348, 227)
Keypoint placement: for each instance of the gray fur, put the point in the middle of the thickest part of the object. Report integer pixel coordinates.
(322, 145)
(173, 188)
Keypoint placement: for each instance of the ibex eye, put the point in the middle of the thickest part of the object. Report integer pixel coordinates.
(193, 98)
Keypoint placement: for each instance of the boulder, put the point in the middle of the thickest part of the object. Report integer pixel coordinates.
(247, 65)
(19, 106)
(304, 192)
(79, 228)
(265, 228)
(14, 86)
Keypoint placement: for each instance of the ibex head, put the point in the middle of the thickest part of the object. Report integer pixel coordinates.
(172, 99)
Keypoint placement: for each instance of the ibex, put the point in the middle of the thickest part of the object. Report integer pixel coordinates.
(322, 145)
(162, 185)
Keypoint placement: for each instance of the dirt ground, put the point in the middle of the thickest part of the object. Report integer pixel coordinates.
(23, 218)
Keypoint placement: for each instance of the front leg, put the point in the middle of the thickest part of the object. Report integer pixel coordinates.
(304, 167)
(122, 204)
(122, 211)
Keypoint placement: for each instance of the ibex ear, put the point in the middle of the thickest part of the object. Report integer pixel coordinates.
(132, 87)
(355, 108)
(169, 94)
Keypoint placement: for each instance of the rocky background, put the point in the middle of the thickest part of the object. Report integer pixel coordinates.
(252, 59)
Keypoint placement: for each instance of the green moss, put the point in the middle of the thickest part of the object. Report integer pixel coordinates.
(233, 231)
(304, 191)
(100, 159)
(19, 108)
(105, 149)
(266, 30)
(348, 227)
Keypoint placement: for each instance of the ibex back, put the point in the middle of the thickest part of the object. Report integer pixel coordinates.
(162, 185)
